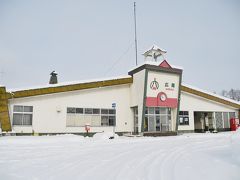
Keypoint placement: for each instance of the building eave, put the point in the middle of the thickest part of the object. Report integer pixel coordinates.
(155, 68)
(67, 88)
(107, 83)
(209, 96)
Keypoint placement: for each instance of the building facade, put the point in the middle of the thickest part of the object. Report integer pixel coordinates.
(150, 99)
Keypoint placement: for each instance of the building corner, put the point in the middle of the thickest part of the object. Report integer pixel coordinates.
(4, 111)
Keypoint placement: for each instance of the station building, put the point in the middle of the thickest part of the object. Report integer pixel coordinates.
(151, 99)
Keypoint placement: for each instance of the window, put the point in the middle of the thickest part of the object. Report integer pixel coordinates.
(183, 118)
(104, 111)
(111, 120)
(71, 110)
(146, 110)
(112, 111)
(88, 110)
(79, 110)
(22, 115)
(231, 115)
(93, 116)
(27, 109)
(96, 111)
(104, 121)
(18, 108)
(108, 117)
(150, 110)
(173, 85)
(166, 84)
(226, 120)
(219, 120)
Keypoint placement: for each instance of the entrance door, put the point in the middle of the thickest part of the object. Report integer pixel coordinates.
(151, 124)
(157, 119)
(203, 121)
(164, 123)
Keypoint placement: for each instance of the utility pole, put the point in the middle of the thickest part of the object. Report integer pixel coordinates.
(135, 27)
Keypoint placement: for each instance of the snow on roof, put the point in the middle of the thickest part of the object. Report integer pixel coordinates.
(212, 94)
(69, 83)
(154, 63)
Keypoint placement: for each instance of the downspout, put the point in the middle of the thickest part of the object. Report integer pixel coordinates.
(238, 113)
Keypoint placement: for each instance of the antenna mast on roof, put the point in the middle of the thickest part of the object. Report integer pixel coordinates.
(135, 27)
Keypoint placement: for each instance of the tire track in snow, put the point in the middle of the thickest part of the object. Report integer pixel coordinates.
(92, 166)
(114, 164)
(157, 163)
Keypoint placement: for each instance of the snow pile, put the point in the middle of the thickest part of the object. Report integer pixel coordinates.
(105, 135)
(69, 137)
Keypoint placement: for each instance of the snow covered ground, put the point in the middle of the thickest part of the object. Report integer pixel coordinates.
(189, 156)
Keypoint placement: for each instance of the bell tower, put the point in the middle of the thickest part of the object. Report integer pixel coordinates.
(157, 84)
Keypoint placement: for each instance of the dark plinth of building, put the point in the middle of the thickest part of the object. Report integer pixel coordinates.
(154, 134)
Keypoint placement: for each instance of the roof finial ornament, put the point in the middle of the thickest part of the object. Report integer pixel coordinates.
(154, 52)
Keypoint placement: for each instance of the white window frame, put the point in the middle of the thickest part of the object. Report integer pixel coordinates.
(110, 113)
(22, 113)
(183, 116)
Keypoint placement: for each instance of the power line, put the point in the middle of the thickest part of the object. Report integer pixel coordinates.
(118, 60)
(135, 35)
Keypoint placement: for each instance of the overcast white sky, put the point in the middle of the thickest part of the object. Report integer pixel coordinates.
(92, 39)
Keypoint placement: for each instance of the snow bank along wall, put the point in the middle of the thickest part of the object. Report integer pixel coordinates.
(150, 99)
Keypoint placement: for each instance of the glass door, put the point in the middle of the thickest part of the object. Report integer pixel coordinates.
(158, 123)
(157, 119)
(151, 123)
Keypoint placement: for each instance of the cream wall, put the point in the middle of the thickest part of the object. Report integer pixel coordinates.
(137, 93)
(162, 78)
(191, 103)
(47, 119)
